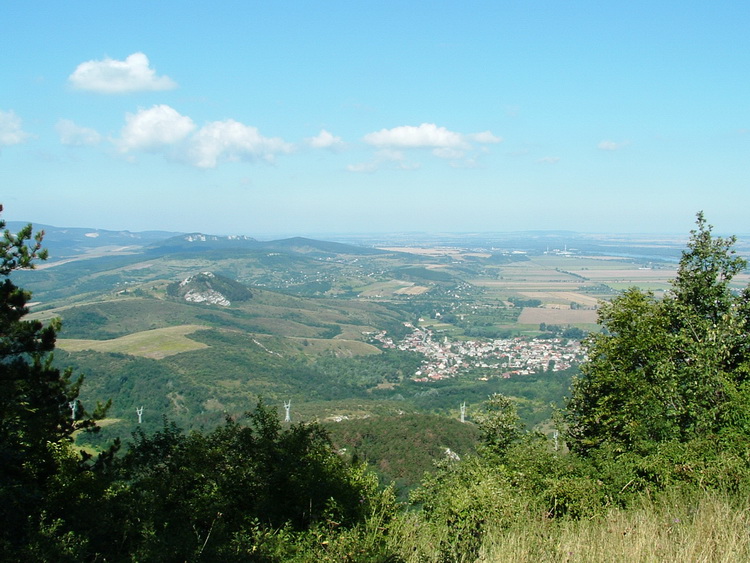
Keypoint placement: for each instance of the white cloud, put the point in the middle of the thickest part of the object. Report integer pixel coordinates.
(445, 144)
(154, 128)
(232, 140)
(110, 76)
(427, 135)
(163, 129)
(610, 145)
(11, 132)
(72, 134)
(325, 140)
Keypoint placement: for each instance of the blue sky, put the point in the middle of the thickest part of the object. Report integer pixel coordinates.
(335, 117)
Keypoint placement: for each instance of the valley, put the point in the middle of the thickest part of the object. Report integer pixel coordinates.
(195, 328)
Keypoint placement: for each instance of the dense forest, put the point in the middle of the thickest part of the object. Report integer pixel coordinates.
(650, 460)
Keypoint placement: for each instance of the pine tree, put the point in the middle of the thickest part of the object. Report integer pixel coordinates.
(39, 408)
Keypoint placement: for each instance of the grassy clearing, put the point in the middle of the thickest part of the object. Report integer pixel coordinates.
(337, 346)
(157, 344)
(713, 528)
(387, 288)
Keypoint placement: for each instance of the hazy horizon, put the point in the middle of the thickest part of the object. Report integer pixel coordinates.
(414, 236)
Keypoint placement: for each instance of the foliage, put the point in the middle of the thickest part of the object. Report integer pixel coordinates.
(461, 502)
(39, 412)
(401, 448)
(499, 423)
(520, 302)
(192, 493)
(534, 394)
(419, 273)
(674, 369)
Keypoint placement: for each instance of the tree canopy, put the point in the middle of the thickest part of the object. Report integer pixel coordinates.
(219, 496)
(39, 410)
(671, 369)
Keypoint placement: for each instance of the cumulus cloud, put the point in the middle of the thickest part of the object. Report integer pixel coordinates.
(154, 128)
(162, 129)
(325, 140)
(11, 132)
(72, 134)
(445, 144)
(110, 76)
(610, 145)
(427, 135)
(231, 140)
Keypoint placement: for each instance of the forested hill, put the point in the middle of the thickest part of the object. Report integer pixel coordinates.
(199, 242)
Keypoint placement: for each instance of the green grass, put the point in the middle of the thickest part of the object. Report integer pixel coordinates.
(158, 343)
(712, 528)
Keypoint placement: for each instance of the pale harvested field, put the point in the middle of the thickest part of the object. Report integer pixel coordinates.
(386, 288)
(413, 290)
(562, 297)
(533, 316)
(155, 344)
(421, 251)
(527, 285)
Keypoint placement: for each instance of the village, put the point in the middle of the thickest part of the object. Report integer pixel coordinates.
(488, 358)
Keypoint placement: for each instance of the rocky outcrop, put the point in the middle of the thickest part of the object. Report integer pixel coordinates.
(210, 288)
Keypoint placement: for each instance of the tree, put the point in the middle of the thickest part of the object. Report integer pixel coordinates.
(201, 495)
(39, 408)
(498, 422)
(673, 369)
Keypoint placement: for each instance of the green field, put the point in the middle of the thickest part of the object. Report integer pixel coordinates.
(157, 343)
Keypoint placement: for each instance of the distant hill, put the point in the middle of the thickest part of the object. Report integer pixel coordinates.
(306, 245)
(66, 242)
(199, 242)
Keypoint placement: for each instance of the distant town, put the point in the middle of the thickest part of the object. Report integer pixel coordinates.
(491, 358)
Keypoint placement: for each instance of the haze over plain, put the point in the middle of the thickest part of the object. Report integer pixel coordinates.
(324, 117)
